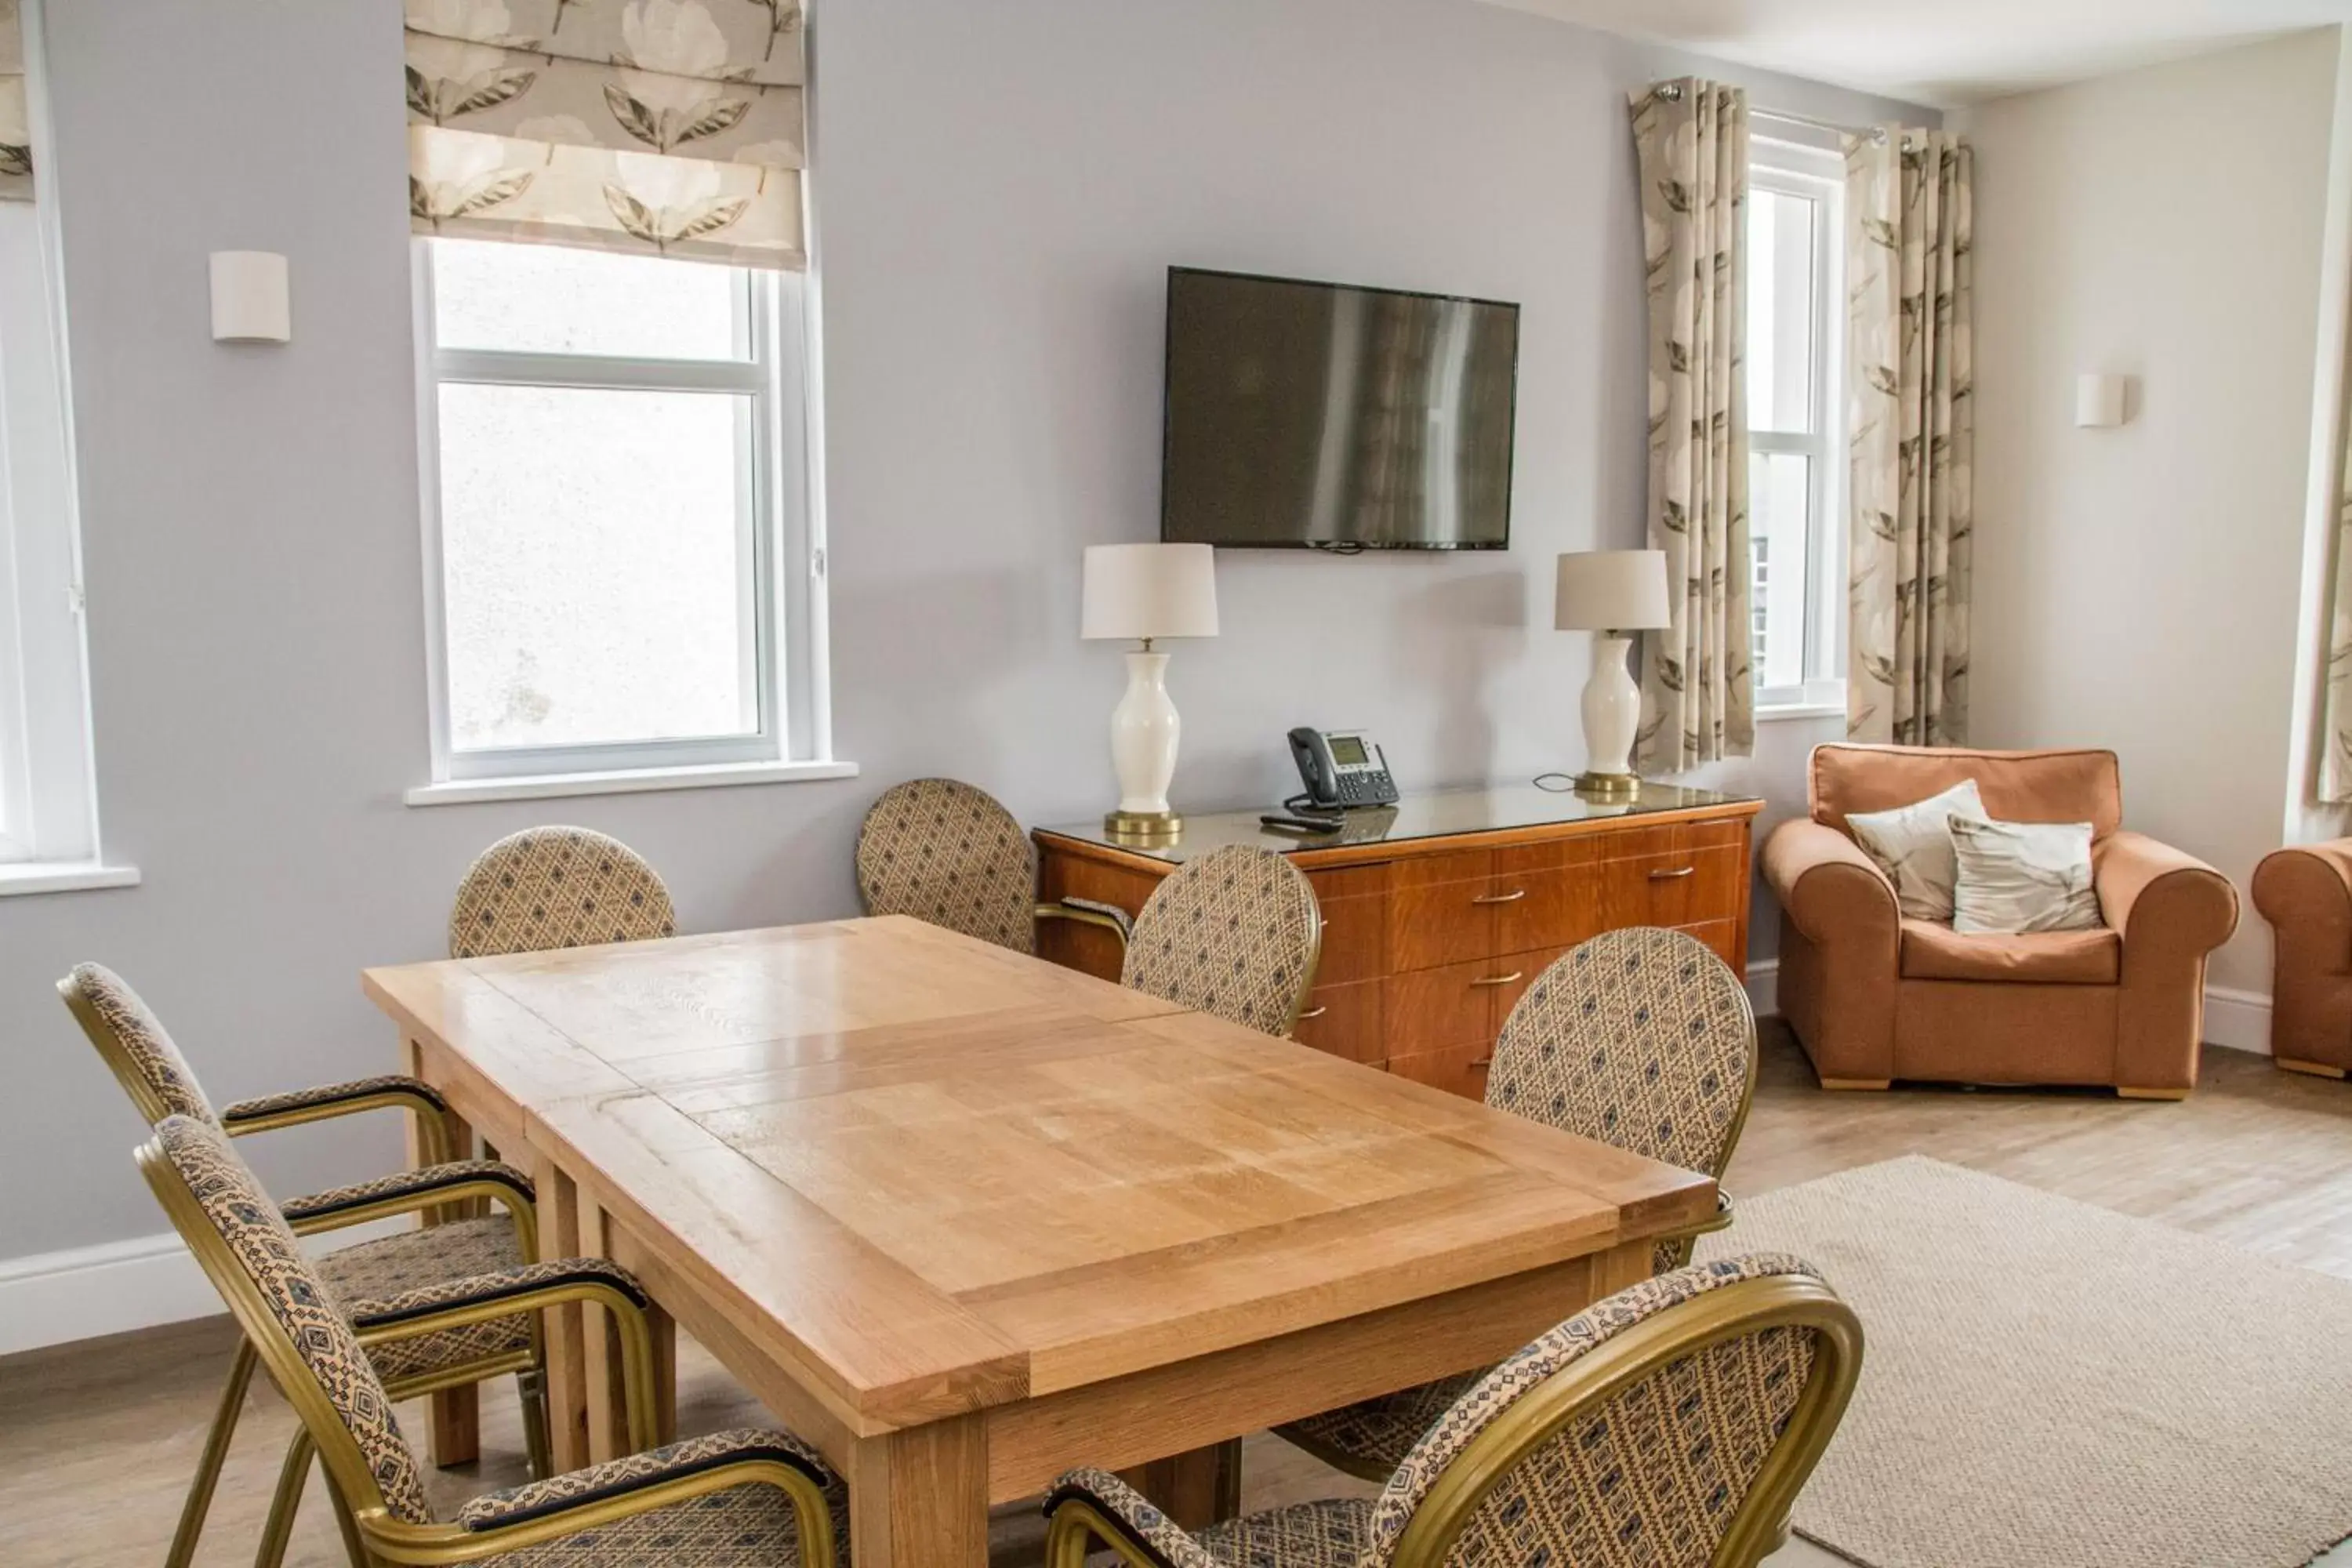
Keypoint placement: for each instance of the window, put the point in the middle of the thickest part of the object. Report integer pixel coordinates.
(623, 568)
(1796, 469)
(48, 807)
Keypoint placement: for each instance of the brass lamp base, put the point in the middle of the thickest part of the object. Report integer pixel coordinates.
(1608, 787)
(1145, 825)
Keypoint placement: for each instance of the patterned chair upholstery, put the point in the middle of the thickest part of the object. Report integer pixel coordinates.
(1236, 934)
(949, 854)
(549, 888)
(741, 1498)
(151, 1070)
(1641, 1038)
(1670, 1426)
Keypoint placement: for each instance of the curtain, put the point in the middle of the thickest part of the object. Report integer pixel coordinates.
(1699, 699)
(16, 116)
(1911, 291)
(2335, 725)
(668, 127)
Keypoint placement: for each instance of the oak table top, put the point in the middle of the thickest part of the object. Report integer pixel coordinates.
(930, 1179)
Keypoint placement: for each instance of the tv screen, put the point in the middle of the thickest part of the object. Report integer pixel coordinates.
(1314, 415)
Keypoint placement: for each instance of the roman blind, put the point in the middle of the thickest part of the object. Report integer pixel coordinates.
(672, 127)
(15, 114)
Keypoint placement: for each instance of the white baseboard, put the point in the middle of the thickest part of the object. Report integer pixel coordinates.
(2240, 1020)
(54, 1298)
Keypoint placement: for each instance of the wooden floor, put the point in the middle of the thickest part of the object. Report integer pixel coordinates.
(97, 1439)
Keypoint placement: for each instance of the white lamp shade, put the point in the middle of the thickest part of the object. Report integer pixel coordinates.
(250, 298)
(1136, 591)
(1612, 591)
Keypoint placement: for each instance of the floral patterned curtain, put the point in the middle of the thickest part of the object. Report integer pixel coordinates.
(1910, 284)
(1698, 692)
(666, 126)
(15, 118)
(2335, 720)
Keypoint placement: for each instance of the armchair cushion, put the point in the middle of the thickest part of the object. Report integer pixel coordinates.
(1330, 1534)
(442, 1349)
(574, 1488)
(408, 1184)
(1932, 952)
(1134, 1514)
(394, 1268)
(332, 1094)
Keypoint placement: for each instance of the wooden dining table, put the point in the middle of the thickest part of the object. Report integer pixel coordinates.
(963, 1219)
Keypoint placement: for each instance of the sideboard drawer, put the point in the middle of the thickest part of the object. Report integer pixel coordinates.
(1344, 1020)
(1675, 889)
(1355, 937)
(1457, 1070)
(1431, 1009)
(1439, 923)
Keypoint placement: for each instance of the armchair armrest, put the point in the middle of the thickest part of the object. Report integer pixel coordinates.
(389, 1092)
(1825, 883)
(2305, 894)
(1090, 912)
(407, 1192)
(2169, 894)
(1087, 1505)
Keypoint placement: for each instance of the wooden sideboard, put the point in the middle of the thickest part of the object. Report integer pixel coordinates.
(1439, 913)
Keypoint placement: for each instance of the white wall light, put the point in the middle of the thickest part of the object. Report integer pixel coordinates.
(2100, 401)
(250, 302)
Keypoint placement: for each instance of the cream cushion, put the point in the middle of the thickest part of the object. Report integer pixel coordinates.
(2019, 877)
(1913, 844)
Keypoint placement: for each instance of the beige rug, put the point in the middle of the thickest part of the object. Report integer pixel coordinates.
(2048, 1385)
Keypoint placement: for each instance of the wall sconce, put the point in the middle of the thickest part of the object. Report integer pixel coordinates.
(250, 298)
(2100, 401)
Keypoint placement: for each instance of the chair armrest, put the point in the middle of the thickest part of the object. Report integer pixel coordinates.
(2173, 897)
(388, 1092)
(2305, 891)
(1095, 1504)
(1090, 912)
(407, 1192)
(1825, 883)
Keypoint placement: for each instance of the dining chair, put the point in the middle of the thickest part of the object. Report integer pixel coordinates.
(1236, 934)
(362, 1278)
(1640, 1038)
(738, 1498)
(549, 888)
(949, 854)
(1670, 1426)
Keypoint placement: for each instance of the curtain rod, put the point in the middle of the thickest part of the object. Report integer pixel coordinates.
(1672, 91)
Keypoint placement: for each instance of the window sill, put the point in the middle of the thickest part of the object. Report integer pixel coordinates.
(1792, 711)
(26, 877)
(626, 780)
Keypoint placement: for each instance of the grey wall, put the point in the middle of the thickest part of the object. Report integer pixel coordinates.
(1000, 190)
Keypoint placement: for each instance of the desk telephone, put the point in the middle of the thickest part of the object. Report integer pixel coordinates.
(1340, 770)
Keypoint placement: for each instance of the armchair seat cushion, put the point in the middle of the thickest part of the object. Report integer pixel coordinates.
(393, 1265)
(1932, 952)
(1328, 1534)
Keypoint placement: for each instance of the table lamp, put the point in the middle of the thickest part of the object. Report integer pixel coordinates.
(1146, 592)
(1610, 594)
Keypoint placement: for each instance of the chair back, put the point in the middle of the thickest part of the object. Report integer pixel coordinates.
(948, 853)
(134, 1045)
(1641, 1038)
(548, 888)
(1236, 932)
(2016, 786)
(253, 1260)
(1670, 1426)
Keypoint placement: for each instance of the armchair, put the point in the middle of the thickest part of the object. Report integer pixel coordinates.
(1874, 997)
(2305, 893)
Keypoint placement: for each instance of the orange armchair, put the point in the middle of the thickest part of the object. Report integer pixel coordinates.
(1874, 997)
(2305, 893)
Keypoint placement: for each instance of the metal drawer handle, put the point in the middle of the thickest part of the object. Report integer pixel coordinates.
(1500, 898)
(1670, 876)
(1500, 979)
(1315, 1012)
(1484, 1062)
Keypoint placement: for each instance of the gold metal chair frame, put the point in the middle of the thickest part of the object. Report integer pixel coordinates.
(1085, 916)
(371, 1534)
(449, 1201)
(1758, 1526)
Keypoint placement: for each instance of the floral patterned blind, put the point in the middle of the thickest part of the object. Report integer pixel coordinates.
(673, 126)
(15, 119)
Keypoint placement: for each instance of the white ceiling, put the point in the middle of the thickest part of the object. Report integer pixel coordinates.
(1947, 53)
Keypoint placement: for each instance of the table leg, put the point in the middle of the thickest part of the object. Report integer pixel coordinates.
(1196, 1490)
(918, 1499)
(664, 1329)
(1621, 1266)
(600, 1346)
(453, 1428)
(567, 1372)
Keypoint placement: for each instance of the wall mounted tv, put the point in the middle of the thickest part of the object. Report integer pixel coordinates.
(1316, 416)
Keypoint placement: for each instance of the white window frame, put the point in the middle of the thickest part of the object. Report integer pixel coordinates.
(1817, 174)
(782, 578)
(48, 791)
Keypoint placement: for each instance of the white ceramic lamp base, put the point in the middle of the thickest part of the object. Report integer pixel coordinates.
(1613, 716)
(1143, 734)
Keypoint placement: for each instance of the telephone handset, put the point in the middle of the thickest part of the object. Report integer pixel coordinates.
(1342, 768)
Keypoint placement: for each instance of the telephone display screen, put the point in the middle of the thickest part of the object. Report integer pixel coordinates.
(1349, 751)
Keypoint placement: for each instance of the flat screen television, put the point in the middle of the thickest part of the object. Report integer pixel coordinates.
(1306, 415)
